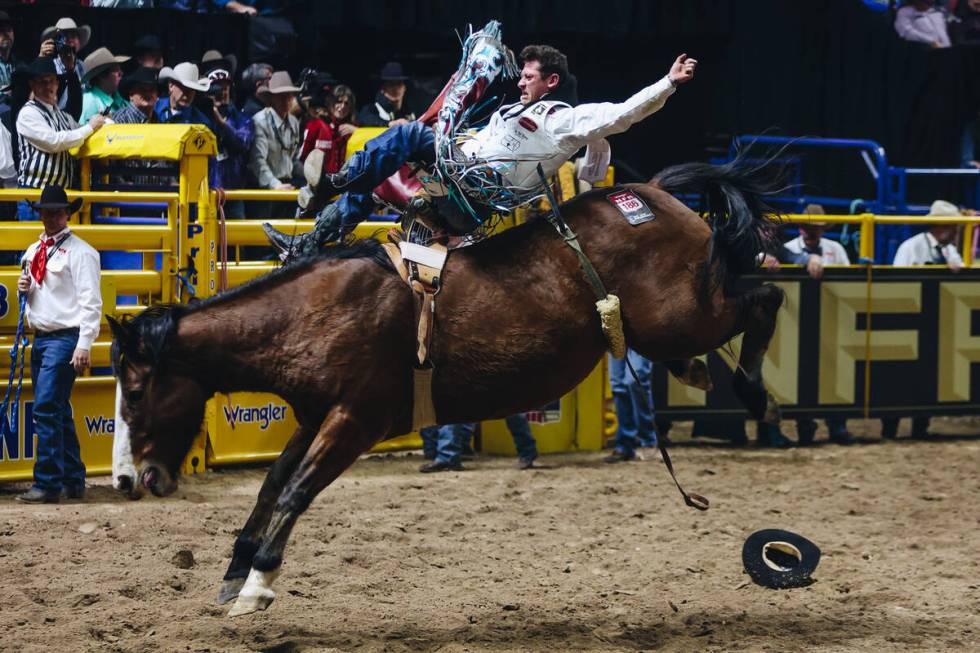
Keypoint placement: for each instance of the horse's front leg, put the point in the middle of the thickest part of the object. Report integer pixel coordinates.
(247, 542)
(337, 445)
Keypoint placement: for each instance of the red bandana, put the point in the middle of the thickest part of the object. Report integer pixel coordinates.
(40, 262)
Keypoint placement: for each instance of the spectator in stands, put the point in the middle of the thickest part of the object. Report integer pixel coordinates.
(935, 245)
(812, 249)
(920, 21)
(965, 30)
(389, 107)
(634, 406)
(102, 74)
(148, 52)
(63, 41)
(343, 124)
(183, 85)
(328, 128)
(7, 59)
(277, 136)
(46, 133)
(254, 79)
(140, 88)
(236, 134)
(446, 444)
(64, 307)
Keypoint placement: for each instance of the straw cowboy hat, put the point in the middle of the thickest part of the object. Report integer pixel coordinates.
(944, 209)
(814, 209)
(100, 61)
(68, 25)
(213, 60)
(186, 75)
(280, 82)
(54, 197)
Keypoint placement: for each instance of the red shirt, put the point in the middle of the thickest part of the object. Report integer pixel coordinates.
(321, 135)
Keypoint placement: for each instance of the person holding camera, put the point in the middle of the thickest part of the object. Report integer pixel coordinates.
(236, 131)
(62, 42)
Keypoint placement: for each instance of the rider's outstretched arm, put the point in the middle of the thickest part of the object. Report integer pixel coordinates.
(588, 122)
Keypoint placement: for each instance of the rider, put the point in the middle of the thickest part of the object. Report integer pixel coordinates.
(536, 131)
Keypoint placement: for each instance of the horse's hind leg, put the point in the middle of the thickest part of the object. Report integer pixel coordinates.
(337, 445)
(758, 308)
(247, 542)
(690, 371)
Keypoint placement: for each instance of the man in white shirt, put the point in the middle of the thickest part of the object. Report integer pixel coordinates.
(934, 246)
(46, 135)
(64, 307)
(540, 130)
(813, 248)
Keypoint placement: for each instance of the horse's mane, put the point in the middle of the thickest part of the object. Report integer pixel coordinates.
(156, 325)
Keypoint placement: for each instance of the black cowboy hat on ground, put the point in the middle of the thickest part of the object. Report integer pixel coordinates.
(142, 75)
(54, 197)
(779, 559)
(393, 72)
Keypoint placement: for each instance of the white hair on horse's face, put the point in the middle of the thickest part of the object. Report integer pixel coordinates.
(123, 470)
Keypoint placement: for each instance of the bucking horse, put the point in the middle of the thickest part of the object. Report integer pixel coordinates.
(516, 327)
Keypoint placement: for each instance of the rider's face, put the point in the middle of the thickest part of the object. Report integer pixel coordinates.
(533, 86)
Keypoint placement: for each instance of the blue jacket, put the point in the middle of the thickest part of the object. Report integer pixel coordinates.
(192, 116)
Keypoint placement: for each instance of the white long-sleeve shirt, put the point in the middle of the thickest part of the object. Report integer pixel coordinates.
(70, 295)
(46, 134)
(519, 137)
(922, 250)
(927, 26)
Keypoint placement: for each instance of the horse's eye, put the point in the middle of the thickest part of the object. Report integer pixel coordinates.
(134, 396)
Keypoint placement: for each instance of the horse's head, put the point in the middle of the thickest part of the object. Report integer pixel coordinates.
(161, 403)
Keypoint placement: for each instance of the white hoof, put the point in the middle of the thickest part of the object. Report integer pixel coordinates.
(256, 594)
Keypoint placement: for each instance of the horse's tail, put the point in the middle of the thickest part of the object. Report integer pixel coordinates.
(733, 198)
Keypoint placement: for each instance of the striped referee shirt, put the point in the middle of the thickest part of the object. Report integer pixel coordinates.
(46, 134)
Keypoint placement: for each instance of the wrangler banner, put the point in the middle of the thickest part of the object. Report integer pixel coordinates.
(889, 342)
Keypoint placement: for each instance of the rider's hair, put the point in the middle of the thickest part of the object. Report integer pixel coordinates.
(551, 60)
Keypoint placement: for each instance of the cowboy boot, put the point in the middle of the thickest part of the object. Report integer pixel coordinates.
(328, 227)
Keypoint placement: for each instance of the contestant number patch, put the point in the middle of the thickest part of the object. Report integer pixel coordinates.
(631, 206)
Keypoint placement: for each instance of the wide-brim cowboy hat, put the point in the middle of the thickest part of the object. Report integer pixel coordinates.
(280, 82)
(37, 68)
(147, 43)
(814, 209)
(186, 75)
(66, 25)
(100, 61)
(944, 209)
(142, 75)
(54, 197)
(213, 60)
(779, 559)
(393, 72)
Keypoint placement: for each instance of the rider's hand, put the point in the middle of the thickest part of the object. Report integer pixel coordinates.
(96, 122)
(47, 48)
(814, 266)
(682, 70)
(80, 360)
(24, 282)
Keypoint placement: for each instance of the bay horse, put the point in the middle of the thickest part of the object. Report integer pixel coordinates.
(516, 327)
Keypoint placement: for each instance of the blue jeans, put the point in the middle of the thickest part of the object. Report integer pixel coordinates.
(633, 414)
(381, 157)
(58, 460)
(445, 443)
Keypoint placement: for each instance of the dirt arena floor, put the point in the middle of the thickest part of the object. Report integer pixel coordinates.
(576, 556)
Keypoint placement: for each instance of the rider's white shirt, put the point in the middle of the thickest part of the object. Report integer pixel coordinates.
(519, 137)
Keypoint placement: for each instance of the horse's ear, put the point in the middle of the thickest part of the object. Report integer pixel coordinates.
(121, 333)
